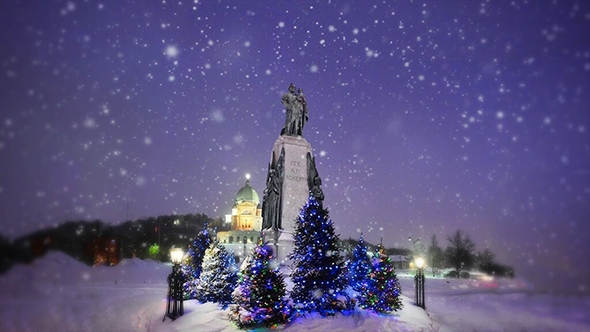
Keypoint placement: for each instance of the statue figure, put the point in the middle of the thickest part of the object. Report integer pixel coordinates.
(303, 102)
(271, 196)
(313, 180)
(271, 204)
(316, 191)
(297, 112)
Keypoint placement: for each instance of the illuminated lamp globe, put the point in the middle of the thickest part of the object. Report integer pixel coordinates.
(419, 262)
(176, 255)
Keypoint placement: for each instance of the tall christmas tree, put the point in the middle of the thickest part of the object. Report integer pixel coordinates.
(381, 291)
(218, 279)
(259, 296)
(360, 266)
(319, 278)
(191, 265)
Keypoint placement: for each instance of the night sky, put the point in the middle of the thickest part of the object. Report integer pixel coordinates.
(425, 116)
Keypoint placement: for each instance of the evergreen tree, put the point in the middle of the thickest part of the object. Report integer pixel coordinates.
(219, 276)
(259, 296)
(191, 265)
(435, 255)
(381, 292)
(360, 265)
(485, 260)
(318, 275)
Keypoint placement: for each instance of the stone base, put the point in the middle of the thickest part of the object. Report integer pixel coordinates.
(295, 190)
(282, 244)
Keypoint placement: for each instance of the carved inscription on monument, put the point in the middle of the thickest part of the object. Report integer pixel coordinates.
(295, 188)
(295, 171)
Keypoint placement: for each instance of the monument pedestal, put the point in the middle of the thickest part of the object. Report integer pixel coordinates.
(295, 190)
(281, 243)
(292, 174)
(295, 187)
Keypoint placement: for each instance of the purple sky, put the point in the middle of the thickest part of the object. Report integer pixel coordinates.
(425, 116)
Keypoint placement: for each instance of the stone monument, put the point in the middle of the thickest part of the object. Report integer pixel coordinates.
(292, 176)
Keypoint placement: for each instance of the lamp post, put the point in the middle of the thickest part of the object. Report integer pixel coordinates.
(175, 306)
(418, 246)
(419, 282)
(245, 240)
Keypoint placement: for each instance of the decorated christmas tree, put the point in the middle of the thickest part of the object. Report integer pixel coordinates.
(259, 296)
(219, 276)
(381, 291)
(359, 266)
(318, 275)
(191, 265)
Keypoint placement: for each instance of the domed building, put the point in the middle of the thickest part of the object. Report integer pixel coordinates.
(245, 221)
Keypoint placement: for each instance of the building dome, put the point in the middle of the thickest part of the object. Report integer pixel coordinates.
(247, 194)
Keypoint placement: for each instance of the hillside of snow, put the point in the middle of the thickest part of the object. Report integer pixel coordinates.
(57, 293)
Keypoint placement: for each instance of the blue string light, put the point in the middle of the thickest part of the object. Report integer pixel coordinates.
(318, 279)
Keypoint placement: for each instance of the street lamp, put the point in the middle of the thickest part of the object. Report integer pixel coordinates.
(419, 282)
(245, 241)
(175, 305)
(176, 255)
(417, 243)
(418, 249)
(419, 262)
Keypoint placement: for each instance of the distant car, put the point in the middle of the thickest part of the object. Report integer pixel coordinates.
(483, 280)
(479, 276)
(463, 275)
(450, 274)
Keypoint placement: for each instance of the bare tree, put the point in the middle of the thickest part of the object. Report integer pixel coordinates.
(459, 253)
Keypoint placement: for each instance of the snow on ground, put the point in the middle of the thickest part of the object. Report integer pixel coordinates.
(57, 293)
(500, 305)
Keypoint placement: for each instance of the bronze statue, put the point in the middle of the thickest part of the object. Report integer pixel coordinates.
(305, 115)
(313, 180)
(271, 204)
(297, 112)
(271, 197)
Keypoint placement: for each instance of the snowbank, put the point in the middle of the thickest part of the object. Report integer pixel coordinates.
(57, 293)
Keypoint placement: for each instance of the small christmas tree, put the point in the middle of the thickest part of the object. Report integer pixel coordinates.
(191, 265)
(259, 296)
(219, 276)
(319, 278)
(360, 266)
(381, 291)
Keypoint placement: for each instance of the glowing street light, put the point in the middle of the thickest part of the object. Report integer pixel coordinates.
(419, 262)
(419, 281)
(176, 255)
(175, 305)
